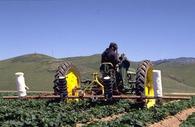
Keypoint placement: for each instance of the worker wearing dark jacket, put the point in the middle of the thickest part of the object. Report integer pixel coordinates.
(111, 54)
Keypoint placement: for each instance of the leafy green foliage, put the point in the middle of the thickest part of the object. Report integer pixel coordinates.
(44, 113)
(190, 122)
(22, 113)
(141, 117)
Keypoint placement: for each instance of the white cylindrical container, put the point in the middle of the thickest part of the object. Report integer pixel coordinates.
(20, 84)
(157, 83)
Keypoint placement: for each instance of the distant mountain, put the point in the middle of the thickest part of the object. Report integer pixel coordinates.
(32, 58)
(177, 73)
(181, 60)
(39, 69)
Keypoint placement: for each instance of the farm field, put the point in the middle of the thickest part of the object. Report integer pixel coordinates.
(39, 73)
(97, 63)
(22, 113)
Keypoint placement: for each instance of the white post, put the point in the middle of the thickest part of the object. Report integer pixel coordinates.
(157, 83)
(20, 84)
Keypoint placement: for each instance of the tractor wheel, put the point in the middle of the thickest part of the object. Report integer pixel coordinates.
(144, 83)
(110, 86)
(72, 76)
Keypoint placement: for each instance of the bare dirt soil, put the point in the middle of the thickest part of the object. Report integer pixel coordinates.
(174, 121)
(170, 121)
(105, 119)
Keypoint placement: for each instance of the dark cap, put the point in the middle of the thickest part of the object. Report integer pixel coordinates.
(113, 45)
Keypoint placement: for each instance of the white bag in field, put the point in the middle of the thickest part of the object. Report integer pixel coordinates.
(157, 83)
(20, 84)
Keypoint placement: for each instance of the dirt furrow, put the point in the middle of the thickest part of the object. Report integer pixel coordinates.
(105, 119)
(174, 121)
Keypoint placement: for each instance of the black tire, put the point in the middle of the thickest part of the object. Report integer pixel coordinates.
(143, 70)
(63, 70)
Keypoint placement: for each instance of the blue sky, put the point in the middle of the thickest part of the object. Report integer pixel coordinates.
(143, 29)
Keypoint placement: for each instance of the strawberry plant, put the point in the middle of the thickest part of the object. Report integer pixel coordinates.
(22, 113)
(140, 118)
(190, 122)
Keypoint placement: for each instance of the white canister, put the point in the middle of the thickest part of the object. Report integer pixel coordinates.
(157, 83)
(20, 84)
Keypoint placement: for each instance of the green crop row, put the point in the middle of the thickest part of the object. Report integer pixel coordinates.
(143, 117)
(44, 113)
(190, 122)
(31, 113)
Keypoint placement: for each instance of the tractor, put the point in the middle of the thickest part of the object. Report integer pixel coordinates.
(110, 82)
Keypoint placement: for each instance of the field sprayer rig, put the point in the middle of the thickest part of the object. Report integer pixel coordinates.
(108, 85)
(111, 84)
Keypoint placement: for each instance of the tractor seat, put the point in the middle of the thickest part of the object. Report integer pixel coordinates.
(105, 67)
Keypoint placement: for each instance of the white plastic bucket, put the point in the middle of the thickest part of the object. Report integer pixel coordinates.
(157, 83)
(20, 84)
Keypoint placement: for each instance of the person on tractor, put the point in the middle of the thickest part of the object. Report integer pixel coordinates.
(118, 70)
(109, 63)
(111, 54)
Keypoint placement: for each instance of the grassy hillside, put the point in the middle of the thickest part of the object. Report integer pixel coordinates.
(35, 67)
(178, 74)
(39, 71)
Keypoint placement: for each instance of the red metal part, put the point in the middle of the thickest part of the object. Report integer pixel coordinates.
(98, 97)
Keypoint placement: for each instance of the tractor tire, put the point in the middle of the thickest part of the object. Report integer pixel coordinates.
(144, 83)
(72, 77)
(110, 86)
